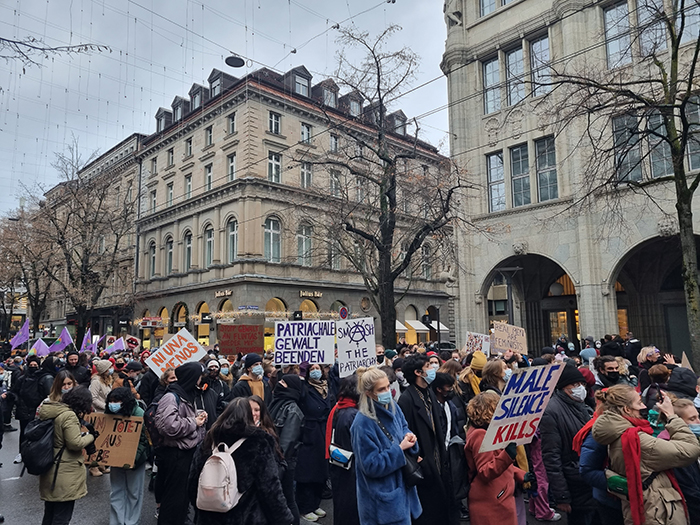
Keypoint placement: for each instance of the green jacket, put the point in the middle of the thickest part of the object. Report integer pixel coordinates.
(71, 479)
(144, 449)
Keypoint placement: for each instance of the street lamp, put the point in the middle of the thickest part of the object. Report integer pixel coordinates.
(235, 61)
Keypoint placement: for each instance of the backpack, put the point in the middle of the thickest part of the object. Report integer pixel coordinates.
(459, 468)
(30, 390)
(37, 449)
(149, 421)
(217, 490)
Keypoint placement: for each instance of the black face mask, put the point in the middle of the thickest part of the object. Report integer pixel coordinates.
(644, 413)
(449, 394)
(380, 358)
(613, 376)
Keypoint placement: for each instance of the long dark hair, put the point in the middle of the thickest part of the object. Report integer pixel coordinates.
(124, 396)
(234, 420)
(79, 400)
(56, 392)
(266, 422)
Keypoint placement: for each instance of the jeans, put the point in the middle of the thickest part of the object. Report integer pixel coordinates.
(173, 473)
(57, 512)
(126, 497)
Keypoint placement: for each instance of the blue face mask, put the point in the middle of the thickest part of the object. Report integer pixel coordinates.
(695, 429)
(509, 373)
(315, 374)
(115, 407)
(384, 398)
(430, 375)
(224, 371)
(258, 370)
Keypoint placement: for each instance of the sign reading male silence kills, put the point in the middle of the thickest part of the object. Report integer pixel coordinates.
(520, 408)
(118, 440)
(179, 349)
(356, 345)
(297, 342)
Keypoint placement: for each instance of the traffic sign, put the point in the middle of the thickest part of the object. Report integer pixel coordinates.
(343, 312)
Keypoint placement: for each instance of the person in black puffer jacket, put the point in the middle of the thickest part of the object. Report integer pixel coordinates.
(565, 415)
(262, 502)
(32, 387)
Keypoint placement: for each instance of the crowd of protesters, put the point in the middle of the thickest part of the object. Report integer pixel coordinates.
(397, 443)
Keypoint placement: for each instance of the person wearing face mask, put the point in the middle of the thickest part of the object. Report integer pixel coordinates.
(251, 382)
(380, 439)
(32, 387)
(422, 411)
(380, 354)
(443, 386)
(564, 416)
(101, 383)
(226, 376)
(63, 383)
(653, 495)
(126, 495)
(216, 384)
(494, 376)
(400, 379)
(608, 373)
(313, 472)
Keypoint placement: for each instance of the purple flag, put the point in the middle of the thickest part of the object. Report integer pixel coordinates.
(118, 345)
(87, 340)
(63, 341)
(92, 347)
(40, 348)
(22, 336)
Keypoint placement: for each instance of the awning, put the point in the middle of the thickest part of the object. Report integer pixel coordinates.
(443, 328)
(400, 328)
(419, 327)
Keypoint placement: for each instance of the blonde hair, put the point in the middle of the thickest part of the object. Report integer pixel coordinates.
(366, 381)
(644, 353)
(617, 397)
(622, 365)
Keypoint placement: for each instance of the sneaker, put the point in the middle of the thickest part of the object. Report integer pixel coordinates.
(157, 512)
(9, 428)
(320, 512)
(311, 516)
(18, 459)
(555, 517)
(95, 471)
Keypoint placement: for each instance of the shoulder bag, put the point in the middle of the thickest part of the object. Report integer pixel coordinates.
(412, 473)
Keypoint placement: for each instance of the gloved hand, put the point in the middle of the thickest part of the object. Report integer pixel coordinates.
(531, 479)
(511, 450)
(90, 428)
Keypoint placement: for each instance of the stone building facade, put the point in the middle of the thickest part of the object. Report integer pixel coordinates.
(573, 269)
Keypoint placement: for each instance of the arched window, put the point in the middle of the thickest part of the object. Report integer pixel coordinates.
(169, 256)
(232, 240)
(188, 252)
(152, 259)
(304, 245)
(273, 240)
(209, 246)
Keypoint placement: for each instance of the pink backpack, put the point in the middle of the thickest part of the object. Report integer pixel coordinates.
(217, 490)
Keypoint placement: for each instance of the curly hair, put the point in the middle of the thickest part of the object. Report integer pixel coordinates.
(481, 408)
(124, 396)
(79, 399)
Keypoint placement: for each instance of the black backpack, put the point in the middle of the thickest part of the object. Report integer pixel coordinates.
(149, 421)
(37, 449)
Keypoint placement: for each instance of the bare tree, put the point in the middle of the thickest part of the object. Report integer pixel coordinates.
(393, 198)
(638, 111)
(87, 224)
(29, 50)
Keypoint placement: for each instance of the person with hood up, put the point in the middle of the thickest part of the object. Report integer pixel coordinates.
(682, 383)
(59, 499)
(79, 372)
(289, 423)
(262, 501)
(32, 387)
(182, 429)
(653, 494)
(251, 382)
(564, 416)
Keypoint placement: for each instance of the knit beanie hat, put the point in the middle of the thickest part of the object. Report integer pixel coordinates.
(102, 365)
(569, 376)
(478, 360)
(250, 359)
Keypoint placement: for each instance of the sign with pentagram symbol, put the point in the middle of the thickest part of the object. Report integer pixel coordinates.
(356, 345)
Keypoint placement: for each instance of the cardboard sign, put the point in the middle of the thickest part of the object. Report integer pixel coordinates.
(118, 439)
(356, 346)
(243, 338)
(297, 342)
(110, 340)
(520, 408)
(476, 342)
(181, 348)
(508, 337)
(685, 363)
(132, 342)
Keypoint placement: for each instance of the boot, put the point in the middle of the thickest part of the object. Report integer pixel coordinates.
(95, 471)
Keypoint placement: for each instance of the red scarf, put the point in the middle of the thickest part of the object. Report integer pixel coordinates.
(632, 452)
(580, 436)
(343, 402)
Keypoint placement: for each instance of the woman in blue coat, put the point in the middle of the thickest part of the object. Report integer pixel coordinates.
(382, 495)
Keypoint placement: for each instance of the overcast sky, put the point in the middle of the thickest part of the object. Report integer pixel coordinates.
(159, 48)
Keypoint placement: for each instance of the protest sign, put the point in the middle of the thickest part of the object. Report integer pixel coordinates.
(297, 342)
(476, 342)
(243, 338)
(520, 408)
(685, 363)
(508, 337)
(118, 440)
(132, 342)
(110, 340)
(181, 348)
(356, 346)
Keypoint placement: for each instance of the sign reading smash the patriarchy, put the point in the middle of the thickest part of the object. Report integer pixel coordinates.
(356, 345)
(297, 342)
(520, 408)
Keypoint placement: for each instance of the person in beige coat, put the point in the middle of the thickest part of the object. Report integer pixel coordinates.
(653, 495)
(100, 386)
(71, 485)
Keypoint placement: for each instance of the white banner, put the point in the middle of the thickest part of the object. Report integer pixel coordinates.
(297, 342)
(179, 349)
(356, 346)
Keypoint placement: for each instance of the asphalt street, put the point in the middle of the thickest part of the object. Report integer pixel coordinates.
(20, 503)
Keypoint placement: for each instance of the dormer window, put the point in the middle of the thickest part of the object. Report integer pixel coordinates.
(178, 112)
(329, 98)
(301, 85)
(160, 124)
(355, 108)
(196, 100)
(216, 87)
(400, 126)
